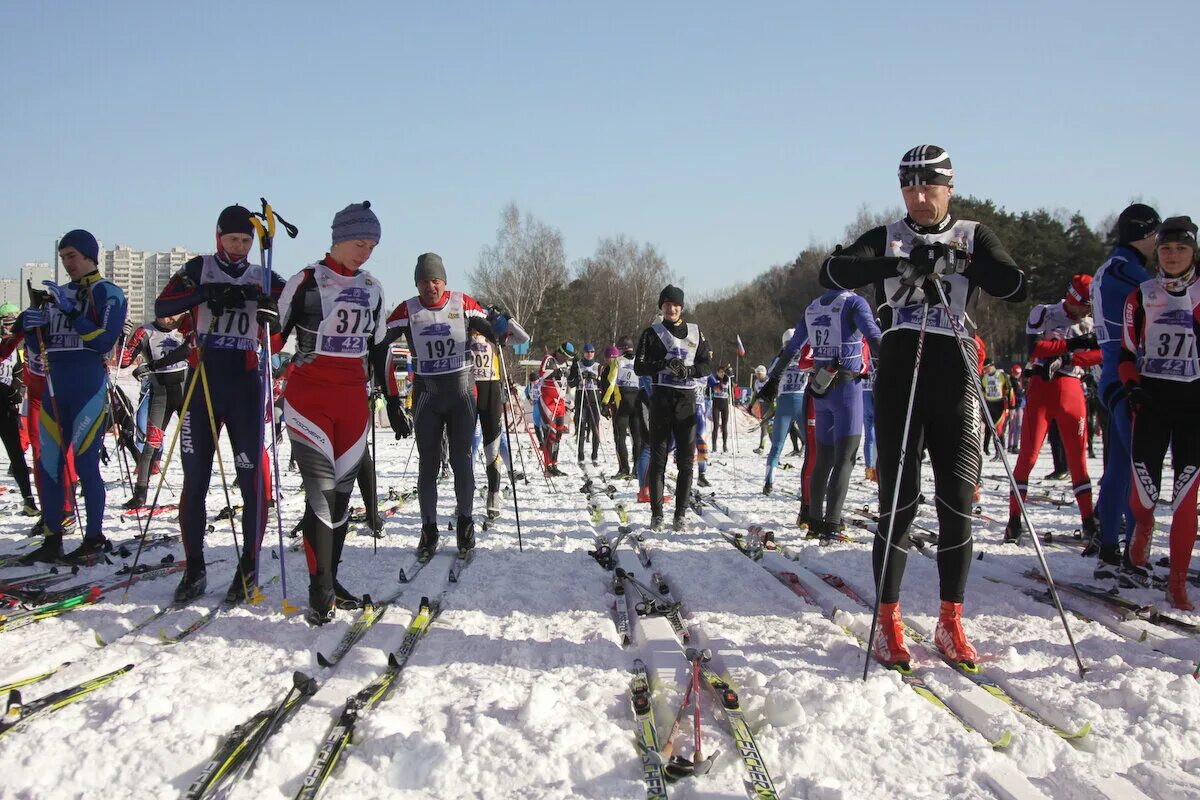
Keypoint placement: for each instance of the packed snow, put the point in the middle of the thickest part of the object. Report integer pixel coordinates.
(521, 686)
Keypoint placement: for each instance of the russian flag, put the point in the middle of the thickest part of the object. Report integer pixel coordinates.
(741, 348)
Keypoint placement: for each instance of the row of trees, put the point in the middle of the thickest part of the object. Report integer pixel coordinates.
(614, 291)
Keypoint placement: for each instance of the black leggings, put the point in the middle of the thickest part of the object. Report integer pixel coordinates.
(165, 402)
(720, 413)
(945, 419)
(10, 432)
(488, 399)
(587, 420)
(444, 404)
(672, 413)
(624, 425)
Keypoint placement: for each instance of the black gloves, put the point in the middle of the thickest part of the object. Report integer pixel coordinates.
(141, 371)
(927, 260)
(677, 368)
(1140, 400)
(221, 296)
(398, 419)
(1084, 341)
(268, 311)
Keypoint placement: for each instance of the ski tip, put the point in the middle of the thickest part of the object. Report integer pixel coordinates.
(1004, 742)
(305, 684)
(322, 660)
(288, 607)
(1082, 733)
(99, 639)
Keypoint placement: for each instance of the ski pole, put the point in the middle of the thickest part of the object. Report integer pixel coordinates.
(512, 478)
(891, 531)
(1037, 545)
(266, 240)
(166, 462)
(374, 474)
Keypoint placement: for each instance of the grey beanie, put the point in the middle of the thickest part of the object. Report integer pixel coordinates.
(429, 268)
(356, 221)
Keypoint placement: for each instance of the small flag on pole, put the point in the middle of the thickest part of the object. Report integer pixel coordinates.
(741, 347)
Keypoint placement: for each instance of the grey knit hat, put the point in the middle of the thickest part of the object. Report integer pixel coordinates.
(429, 268)
(354, 222)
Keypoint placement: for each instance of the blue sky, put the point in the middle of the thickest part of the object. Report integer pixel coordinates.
(729, 135)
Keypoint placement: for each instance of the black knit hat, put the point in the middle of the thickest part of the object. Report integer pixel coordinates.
(1177, 229)
(1136, 223)
(235, 219)
(670, 293)
(926, 164)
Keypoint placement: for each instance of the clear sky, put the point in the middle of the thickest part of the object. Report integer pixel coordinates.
(729, 135)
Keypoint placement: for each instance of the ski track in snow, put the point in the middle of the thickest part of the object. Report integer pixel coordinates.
(520, 687)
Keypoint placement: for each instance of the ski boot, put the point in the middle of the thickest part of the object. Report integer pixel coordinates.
(1177, 591)
(767, 486)
(493, 505)
(428, 543)
(39, 528)
(242, 588)
(48, 552)
(1013, 530)
(758, 451)
(89, 552)
(872, 474)
(656, 522)
(1108, 564)
(192, 586)
(138, 500)
(702, 481)
(644, 494)
(950, 638)
(1057, 475)
(29, 508)
(320, 606)
(595, 462)
(343, 599)
(889, 647)
(1091, 535)
(464, 533)
(679, 523)
(1133, 575)
(1138, 554)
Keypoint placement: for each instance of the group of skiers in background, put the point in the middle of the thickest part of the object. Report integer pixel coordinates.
(906, 379)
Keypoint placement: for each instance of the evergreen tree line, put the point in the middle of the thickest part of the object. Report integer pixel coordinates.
(614, 291)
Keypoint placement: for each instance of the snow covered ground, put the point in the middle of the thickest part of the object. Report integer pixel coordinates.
(521, 686)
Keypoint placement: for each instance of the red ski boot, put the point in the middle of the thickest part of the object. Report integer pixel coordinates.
(889, 645)
(1177, 590)
(950, 637)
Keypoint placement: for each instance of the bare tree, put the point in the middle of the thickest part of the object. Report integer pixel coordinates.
(618, 288)
(866, 219)
(526, 262)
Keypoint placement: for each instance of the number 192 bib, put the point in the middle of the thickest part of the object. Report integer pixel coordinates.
(439, 336)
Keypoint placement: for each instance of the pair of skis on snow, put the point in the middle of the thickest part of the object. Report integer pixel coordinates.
(238, 752)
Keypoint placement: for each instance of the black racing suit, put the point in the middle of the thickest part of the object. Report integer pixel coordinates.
(945, 410)
(672, 413)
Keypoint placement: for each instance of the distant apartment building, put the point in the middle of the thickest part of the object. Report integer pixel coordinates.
(126, 267)
(10, 292)
(142, 275)
(35, 272)
(159, 269)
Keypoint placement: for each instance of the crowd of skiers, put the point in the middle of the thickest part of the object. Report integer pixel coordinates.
(907, 379)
